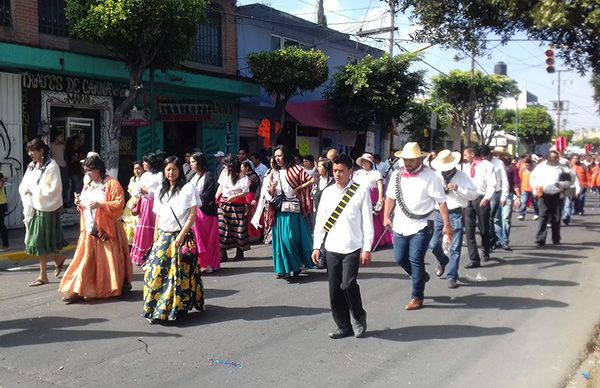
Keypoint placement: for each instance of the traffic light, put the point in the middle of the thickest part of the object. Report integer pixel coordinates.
(550, 61)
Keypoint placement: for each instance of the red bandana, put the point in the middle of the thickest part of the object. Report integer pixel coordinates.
(407, 174)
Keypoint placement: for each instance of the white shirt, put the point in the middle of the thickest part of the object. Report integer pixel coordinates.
(151, 181)
(91, 192)
(421, 193)
(547, 176)
(181, 202)
(260, 170)
(230, 189)
(501, 178)
(366, 178)
(465, 191)
(354, 227)
(283, 184)
(484, 179)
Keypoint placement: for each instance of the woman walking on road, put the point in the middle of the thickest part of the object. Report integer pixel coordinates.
(41, 193)
(130, 220)
(100, 267)
(172, 282)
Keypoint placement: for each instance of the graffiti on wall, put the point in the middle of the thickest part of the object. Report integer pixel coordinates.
(10, 166)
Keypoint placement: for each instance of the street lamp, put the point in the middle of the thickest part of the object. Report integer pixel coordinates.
(517, 125)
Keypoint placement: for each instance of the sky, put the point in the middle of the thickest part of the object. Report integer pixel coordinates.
(524, 59)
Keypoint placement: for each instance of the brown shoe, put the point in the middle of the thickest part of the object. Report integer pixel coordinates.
(414, 304)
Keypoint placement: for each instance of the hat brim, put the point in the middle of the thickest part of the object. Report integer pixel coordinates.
(361, 159)
(438, 166)
(411, 155)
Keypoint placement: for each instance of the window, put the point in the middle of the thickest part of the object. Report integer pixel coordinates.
(207, 46)
(4, 12)
(280, 42)
(51, 16)
(275, 42)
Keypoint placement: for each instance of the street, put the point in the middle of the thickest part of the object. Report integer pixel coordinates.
(522, 320)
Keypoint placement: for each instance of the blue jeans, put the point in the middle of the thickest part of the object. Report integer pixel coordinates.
(409, 253)
(567, 210)
(504, 221)
(456, 221)
(580, 201)
(494, 217)
(525, 195)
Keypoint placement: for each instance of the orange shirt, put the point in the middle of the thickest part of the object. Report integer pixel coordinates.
(595, 180)
(583, 174)
(525, 180)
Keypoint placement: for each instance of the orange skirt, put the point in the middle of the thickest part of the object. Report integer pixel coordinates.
(99, 268)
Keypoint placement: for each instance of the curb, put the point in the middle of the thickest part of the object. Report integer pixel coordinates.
(22, 256)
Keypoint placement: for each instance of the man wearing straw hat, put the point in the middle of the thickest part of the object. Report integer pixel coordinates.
(414, 192)
(459, 191)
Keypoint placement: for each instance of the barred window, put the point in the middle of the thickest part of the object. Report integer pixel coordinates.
(5, 12)
(207, 46)
(51, 16)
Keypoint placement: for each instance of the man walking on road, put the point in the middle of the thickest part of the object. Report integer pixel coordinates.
(482, 175)
(583, 175)
(344, 223)
(415, 190)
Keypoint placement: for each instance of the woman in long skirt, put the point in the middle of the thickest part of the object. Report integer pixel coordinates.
(144, 230)
(206, 227)
(252, 197)
(231, 199)
(292, 239)
(41, 193)
(129, 220)
(100, 267)
(172, 282)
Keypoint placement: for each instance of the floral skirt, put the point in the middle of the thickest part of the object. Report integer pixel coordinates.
(172, 281)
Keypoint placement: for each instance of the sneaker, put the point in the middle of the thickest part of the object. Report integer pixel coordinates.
(521, 218)
(340, 333)
(452, 284)
(536, 217)
(360, 326)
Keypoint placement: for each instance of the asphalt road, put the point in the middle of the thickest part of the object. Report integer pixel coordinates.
(521, 321)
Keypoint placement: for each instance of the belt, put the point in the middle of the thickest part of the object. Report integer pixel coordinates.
(458, 210)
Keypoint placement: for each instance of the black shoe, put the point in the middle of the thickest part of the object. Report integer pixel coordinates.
(427, 277)
(506, 248)
(439, 271)
(360, 326)
(486, 257)
(540, 244)
(452, 284)
(340, 333)
(556, 242)
(473, 264)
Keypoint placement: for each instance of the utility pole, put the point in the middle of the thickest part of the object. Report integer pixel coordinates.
(392, 26)
(558, 107)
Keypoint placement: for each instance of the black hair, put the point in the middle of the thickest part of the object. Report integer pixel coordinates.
(135, 163)
(288, 157)
(166, 184)
(471, 148)
(328, 166)
(95, 163)
(243, 149)
(201, 162)
(484, 151)
(155, 162)
(310, 158)
(233, 168)
(343, 159)
(248, 165)
(255, 155)
(38, 144)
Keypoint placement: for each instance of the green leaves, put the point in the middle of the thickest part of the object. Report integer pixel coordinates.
(534, 123)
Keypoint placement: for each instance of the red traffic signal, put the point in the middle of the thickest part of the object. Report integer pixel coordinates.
(550, 61)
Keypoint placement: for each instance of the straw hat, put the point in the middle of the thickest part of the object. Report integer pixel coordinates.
(499, 151)
(89, 155)
(446, 160)
(411, 150)
(365, 157)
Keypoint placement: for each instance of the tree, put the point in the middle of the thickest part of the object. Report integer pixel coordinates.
(571, 26)
(568, 134)
(595, 81)
(285, 73)
(373, 91)
(145, 34)
(417, 121)
(473, 97)
(535, 124)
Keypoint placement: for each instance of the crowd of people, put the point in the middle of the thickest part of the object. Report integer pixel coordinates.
(179, 217)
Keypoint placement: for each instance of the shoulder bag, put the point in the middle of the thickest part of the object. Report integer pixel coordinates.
(284, 204)
(188, 249)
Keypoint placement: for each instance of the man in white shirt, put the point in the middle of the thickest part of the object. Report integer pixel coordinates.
(459, 191)
(483, 176)
(348, 244)
(414, 192)
(259, 168)
(500, 195)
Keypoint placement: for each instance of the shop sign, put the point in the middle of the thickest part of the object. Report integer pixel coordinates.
(73, 85)
(172, 111)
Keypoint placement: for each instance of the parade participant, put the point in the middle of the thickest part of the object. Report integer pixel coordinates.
(259, 168)
(549, 179)
(584, 177)
(459, 191)
(570, 194)
(483, 176)
(41, 194)
(231, 201)
(100, 267)
(74, 153)
(372, 180)
(219, 155)
(325, 169)
(513, 199)
(172, 282)
(416, 190)
(308, 162)
(264, 215)
(527, 191)
(206, 226)
(501, 191)
(290, 193)
(332, 153)
(345, 227)
(130, 220)
(144, 230)
(242, 155)
(252, 197)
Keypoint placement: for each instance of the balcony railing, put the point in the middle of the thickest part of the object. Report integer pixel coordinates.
(207, 45)
(51, 16)
(5, 11)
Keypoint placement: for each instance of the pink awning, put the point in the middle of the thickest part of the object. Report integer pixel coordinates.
(313, 114)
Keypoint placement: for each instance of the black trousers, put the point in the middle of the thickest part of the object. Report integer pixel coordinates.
(550, 213)
(344, 292)
(3, 231)
(476, 215)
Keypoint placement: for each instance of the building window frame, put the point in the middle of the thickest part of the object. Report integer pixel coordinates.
(5, 13)
(207, 45)
(52, 19)
(285, 42)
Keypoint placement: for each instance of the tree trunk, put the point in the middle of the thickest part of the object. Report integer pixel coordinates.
(278, 115)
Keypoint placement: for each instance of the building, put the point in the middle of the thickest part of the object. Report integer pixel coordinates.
(309, 127)
(50, 82)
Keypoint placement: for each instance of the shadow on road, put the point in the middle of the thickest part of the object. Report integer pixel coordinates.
(526, 260)
(503, 282)
(482, 301)
(423, 333)
(47, 330)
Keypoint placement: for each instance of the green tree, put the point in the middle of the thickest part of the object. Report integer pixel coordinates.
(145, 34)
(473, 98)
(595, 81)
(417, 119)
(573, 26)
(535, 124)
(374, 91)
(285, 73)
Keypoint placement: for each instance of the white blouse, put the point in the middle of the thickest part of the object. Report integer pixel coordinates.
(230, 189)
(366, 178)
(181, 202)
(91, 192)
(282, 183)
(151, 181)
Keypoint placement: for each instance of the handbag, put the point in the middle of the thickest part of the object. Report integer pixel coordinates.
(135, 208)
(189, 248)
(284, 204)
(98, 233)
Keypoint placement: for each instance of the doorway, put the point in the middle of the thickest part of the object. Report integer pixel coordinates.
(181, 137)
